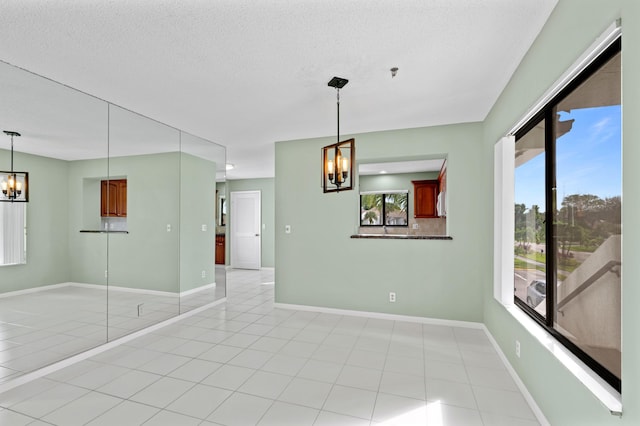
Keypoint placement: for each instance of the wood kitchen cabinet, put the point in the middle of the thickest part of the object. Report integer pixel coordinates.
(425, 198)
(220, 240)
(113, 198)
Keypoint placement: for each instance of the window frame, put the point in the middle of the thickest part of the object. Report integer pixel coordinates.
(383, 211)
(547, 115)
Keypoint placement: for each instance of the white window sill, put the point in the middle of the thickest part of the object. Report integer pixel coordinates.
(607, 395)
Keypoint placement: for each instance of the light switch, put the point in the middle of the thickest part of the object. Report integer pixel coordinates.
(168, 227)
(287, 229)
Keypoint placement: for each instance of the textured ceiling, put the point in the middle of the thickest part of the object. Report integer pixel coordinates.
(247, 73)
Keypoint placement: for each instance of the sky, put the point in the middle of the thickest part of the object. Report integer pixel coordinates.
(588, 159)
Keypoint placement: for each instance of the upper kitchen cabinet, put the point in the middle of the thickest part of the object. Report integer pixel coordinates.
(425, 198)
(113, 198)
(429, 195)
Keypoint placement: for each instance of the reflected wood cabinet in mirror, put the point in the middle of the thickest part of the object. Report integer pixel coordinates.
(113, 198)
(220, 247)
(425, 196)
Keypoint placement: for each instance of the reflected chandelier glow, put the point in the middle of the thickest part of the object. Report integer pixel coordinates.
(14, 184)
(337, 159)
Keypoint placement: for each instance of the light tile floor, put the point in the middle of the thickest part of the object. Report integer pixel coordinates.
(245, 362)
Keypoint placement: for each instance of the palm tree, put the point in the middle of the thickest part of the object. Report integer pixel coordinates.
(370, 207)
(371, 216)
(371, 201)
(396, 202)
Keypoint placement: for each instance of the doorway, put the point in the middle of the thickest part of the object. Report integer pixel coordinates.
(245, 230)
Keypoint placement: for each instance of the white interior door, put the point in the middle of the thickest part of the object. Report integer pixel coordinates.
(245, 229)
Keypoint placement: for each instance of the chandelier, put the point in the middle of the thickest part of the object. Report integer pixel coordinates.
(337, 158)
(14, 184)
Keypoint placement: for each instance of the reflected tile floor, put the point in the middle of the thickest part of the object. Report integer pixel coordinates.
(43, 327)
(245, 362)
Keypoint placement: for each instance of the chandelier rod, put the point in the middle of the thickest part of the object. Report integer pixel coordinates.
(338, 104)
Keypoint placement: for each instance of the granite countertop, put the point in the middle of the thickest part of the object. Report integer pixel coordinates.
(402, 237)
(102, 231)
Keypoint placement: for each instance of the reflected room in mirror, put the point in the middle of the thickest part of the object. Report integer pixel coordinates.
(121, 223)
(222, 210)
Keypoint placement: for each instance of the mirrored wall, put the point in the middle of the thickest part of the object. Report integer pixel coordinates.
(120, 228)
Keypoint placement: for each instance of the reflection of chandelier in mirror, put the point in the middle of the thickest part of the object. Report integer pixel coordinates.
(14, 184)
(337, 159)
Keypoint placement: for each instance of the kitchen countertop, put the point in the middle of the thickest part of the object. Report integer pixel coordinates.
(402, 237)
(102, 231)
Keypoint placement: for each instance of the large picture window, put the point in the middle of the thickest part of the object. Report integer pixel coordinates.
(568, 186)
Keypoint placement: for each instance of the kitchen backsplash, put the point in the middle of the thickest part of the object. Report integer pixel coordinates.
(114, 223)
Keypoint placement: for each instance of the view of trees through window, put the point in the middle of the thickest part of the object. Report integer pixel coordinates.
(568, 211)
(384, 209)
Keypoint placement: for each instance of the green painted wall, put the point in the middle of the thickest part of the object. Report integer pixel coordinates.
(572, 27)
(318, 264)
(390, 182)
(47, 230)
(87, 252)
(197, 208)
(267, 206)
(148, 256)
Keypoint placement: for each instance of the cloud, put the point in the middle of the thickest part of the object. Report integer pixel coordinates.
(601, 124)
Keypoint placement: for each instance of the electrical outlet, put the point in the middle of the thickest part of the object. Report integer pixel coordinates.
(204, 228)
(518, 348)
(140, 311)
(415, 226)
(392, 297)
(204, 274)
(287, 229)
(168, 227)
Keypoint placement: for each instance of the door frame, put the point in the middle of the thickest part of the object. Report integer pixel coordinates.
(232, 220)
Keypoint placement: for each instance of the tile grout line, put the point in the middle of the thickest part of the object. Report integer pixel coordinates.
(466, 372)
(386, 357)
(341, 369)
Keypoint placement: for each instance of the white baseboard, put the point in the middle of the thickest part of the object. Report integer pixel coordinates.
(145, 291)
(523, 389)
(262, 268)
(197, 289)
(34, 290)
(125, 289)
(381, 315)
(106, 287)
